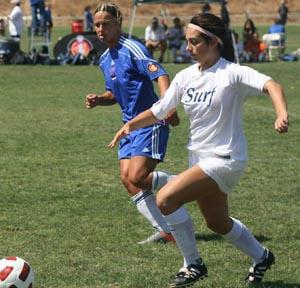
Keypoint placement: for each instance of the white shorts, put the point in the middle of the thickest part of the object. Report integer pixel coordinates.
(224, 171)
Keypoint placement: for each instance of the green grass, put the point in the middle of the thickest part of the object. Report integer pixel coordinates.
(64, 209)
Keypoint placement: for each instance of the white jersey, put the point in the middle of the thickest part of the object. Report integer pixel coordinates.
(155, 35)
(213, 99)
(15, 24)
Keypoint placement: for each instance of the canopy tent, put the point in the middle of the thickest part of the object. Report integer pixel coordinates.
(135, 3)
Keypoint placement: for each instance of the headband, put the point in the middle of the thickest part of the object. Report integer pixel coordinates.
(206, 32)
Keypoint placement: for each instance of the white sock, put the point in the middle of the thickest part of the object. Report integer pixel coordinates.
(160, 178)
(146, 205)
(242, 239)
(182, 229)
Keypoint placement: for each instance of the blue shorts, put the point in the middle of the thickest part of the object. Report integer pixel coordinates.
(150, 142)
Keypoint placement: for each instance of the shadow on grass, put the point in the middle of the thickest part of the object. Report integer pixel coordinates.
(278, 284)
(262, 238)
(216, 237)
(208, 237)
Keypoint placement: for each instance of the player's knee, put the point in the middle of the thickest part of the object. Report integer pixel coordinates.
(137, 178)
(124, 180)
(165, 204)
(218, 226)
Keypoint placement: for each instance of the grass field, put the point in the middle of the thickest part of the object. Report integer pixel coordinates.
(64, 209)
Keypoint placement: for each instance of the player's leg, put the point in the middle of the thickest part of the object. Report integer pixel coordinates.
(151, 46)
(139, 170)
(144, 199)
(215, 212)
(148, 148)
(162, 48)
(194, 184)
(226, 173)
(143, 175)
(186, 187)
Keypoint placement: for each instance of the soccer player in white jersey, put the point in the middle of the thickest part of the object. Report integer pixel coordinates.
(129, 70)
(212, 92)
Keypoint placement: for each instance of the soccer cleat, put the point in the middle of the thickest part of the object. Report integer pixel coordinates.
(188, 276)
(256, 272)
(159, 237)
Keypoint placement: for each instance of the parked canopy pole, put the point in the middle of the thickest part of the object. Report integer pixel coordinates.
(132, 18)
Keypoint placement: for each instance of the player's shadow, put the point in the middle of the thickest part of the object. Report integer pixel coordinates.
(216, 237)
(262, 238)
(208, 237)
(277, 284)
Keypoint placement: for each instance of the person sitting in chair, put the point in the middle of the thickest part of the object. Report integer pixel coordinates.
(176, 37)
(277, 27)
(155, 38)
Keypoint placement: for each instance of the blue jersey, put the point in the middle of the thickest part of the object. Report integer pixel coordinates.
(129, 70)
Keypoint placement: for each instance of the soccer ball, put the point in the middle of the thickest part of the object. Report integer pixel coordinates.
(15, 273)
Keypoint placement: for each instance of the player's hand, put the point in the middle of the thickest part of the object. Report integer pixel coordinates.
(91, 101)
(173, 118)
(282, 123)
(125, 130)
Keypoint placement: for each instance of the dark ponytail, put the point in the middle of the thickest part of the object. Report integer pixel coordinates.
(216, 26)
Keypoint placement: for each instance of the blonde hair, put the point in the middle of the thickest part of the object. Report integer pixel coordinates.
(112, 9)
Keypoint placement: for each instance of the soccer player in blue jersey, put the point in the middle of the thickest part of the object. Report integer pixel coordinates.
(129, 70)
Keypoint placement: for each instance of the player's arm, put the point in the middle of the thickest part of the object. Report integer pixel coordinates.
(105, 99)
(163, 83)
(279, 101)
(144, 119)
(157, 112)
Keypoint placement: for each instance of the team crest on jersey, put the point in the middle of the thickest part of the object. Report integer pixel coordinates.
(153, 67)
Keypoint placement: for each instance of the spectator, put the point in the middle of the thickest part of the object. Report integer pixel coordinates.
(256, 49)
(241, 53)
(15, 20)
(164, 25)
(277, 27)
(175, 37)
(48, 20)
(155, 38)
(88, 19)
(206, 8)
(38, 16)
(259, 51)
(184, 55)
(2, 27)
(225, 14)
(249, 29)
(283, 12)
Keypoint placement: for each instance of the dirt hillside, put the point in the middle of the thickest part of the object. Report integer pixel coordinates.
(260, 10)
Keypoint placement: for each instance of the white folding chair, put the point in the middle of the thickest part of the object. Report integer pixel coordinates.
(275, 42)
